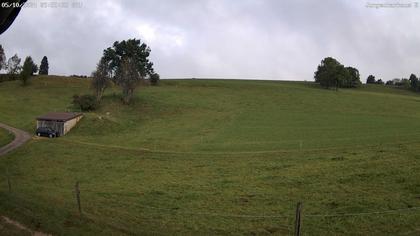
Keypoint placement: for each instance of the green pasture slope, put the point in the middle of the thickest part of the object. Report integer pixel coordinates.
(217, 157)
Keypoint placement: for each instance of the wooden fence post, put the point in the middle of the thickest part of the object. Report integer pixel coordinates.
(298, 219)
(77, 191)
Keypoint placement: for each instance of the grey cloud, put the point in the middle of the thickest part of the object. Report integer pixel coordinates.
(264, 39)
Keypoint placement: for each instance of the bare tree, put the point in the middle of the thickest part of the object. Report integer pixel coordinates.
(101, 79)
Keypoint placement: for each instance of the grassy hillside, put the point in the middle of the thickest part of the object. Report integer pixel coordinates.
(5, 137)
(212, 157)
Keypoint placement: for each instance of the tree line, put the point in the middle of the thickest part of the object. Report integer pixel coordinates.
(412, 83)
(332, 74)
(14, 69)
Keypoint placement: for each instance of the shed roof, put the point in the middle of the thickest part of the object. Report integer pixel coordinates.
(59, 116)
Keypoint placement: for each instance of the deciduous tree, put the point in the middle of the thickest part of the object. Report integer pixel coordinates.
(414, 82)
(13, 66)
(352, 79)
(28, 69)
(129, 63)
(330, 73)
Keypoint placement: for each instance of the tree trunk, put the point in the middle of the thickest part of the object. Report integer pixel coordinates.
(127, 94)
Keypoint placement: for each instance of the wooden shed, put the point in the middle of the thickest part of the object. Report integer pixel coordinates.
(61, 122)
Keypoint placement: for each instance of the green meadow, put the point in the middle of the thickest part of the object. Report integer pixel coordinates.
(216, 157)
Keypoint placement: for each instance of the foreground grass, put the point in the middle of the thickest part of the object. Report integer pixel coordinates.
(5, 137)
(212, 157)
(132, 192)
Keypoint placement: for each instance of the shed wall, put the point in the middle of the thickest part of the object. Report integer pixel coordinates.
(68, 125)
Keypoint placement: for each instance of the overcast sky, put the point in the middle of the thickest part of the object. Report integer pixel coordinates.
(261, 39)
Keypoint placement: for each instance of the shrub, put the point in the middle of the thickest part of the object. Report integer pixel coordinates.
(404, 82)
(85, 102)
(80, 76)
(154, 79)
(370, 79)
(4, 77)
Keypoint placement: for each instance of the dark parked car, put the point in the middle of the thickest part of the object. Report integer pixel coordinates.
(45, 131)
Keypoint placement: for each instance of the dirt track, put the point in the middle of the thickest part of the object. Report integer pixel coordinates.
(21, 137)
